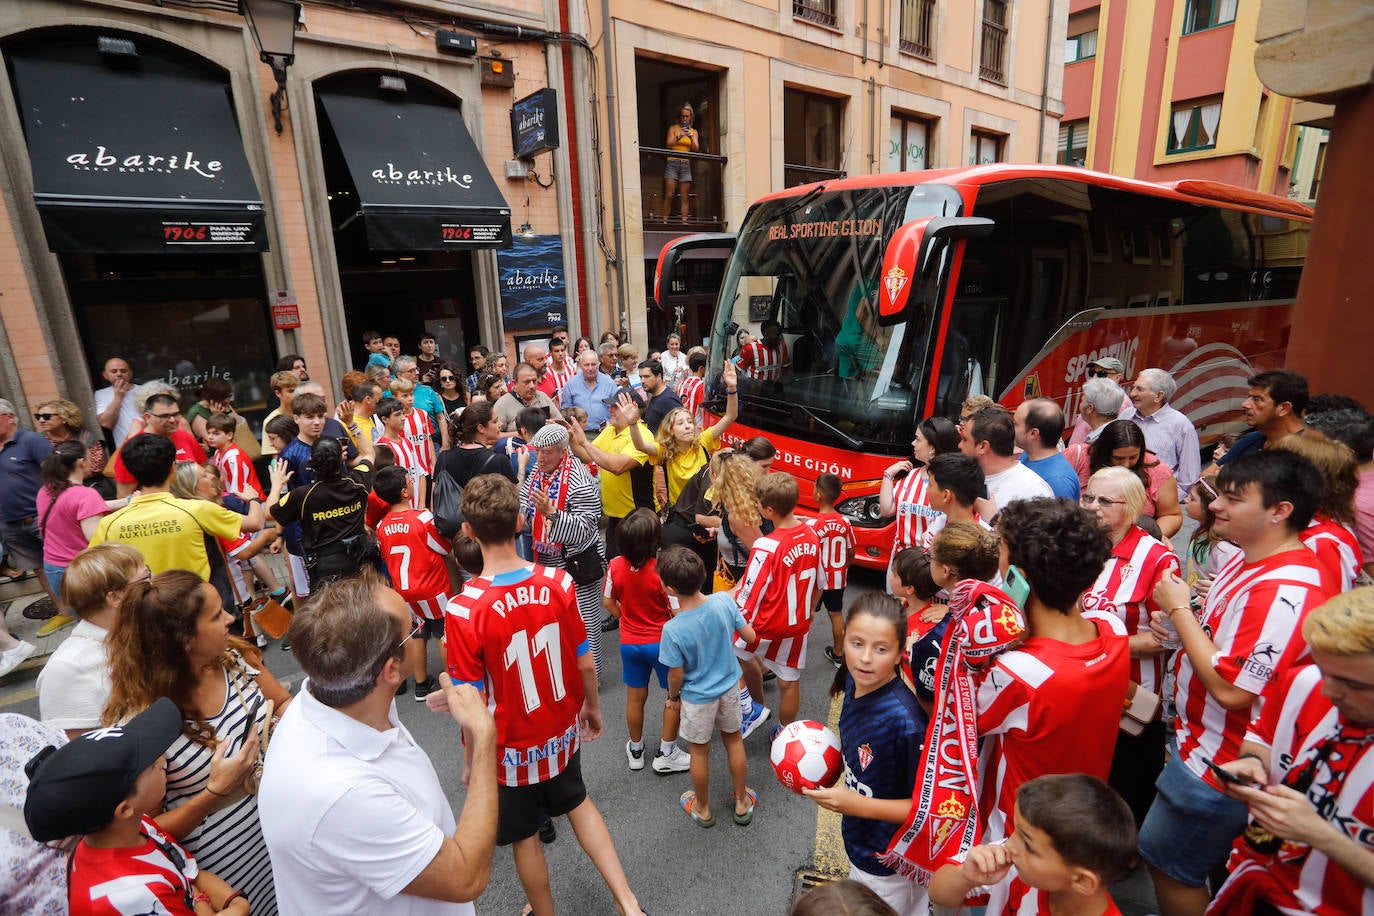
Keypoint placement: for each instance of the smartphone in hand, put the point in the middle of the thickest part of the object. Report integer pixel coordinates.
(1226, 775)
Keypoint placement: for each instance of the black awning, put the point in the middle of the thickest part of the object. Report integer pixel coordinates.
(136, 160)
(421, 181)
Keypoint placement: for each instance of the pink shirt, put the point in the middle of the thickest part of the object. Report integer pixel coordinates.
(1364, 514)
(63, 537)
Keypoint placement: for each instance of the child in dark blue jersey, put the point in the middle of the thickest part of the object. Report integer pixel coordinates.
(882, 729)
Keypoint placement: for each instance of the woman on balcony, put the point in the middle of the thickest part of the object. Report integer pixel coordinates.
(682, 138)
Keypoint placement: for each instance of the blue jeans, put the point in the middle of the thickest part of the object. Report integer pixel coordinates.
(54, 575)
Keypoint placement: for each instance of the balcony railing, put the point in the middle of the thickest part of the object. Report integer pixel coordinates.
(918, 24)
(992, 64)
(705, 200)
(821, 12)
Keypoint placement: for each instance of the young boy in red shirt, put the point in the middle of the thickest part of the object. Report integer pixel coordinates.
(391, 413)
(417, 428)
(837, 550)
(515, 633)
(778, 593)
(414, 552)
(104, 787)
(634, 595)
(235, 468)
(1074, 837)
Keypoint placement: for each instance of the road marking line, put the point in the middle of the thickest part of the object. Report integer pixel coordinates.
(830, 856)
(19, 697)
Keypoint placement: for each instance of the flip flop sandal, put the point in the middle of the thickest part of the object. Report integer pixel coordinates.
(688, 802)
(748, 816)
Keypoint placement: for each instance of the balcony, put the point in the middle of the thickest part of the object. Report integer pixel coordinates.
(821, 12)
(917, 38)
(705, 201)
(992, 64)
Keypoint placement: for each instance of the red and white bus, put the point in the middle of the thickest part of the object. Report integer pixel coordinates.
(902, 294)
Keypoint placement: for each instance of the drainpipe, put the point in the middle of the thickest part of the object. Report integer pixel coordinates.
(872, 125)
(1045, 83)
(617, 294)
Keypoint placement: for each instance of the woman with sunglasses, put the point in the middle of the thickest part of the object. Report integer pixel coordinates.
(1125, 588)
(1121, 444)
(452, 391)
(171, 639)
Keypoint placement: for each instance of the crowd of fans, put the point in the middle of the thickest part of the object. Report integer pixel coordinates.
(1047, 692)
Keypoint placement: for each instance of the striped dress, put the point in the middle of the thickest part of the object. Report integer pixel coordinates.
(229, 841)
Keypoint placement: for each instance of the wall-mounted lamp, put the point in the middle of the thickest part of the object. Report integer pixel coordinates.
(526, 231)
(273, 24)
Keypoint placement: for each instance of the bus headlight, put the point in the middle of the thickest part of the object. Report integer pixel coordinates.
(862, 510)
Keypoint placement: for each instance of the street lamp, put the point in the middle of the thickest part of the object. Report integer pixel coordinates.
(273, 23)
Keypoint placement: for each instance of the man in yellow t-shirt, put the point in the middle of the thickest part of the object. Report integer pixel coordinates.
(170, 532)
(627, 477)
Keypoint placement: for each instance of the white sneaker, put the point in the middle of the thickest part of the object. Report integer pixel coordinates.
(13, 658)
(636, 757)
(679, 761)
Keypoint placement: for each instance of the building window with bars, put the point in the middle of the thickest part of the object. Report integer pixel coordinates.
(984, 147)
(918, 28)
(1193, 126)
(1073, 143)
(1208, 14)
(811, 125)
(992, 64)
(1317, 172)
(821, 12)
(908, 147)
(1081, 47)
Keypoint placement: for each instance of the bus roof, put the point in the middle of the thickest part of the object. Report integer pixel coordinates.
(971, 178)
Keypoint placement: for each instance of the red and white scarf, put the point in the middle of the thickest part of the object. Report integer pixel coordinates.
(555, 486)
(944, 820)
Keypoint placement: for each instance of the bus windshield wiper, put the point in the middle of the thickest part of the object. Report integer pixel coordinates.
(831, 428)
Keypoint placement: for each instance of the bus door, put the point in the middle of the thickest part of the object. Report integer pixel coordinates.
(969, 361)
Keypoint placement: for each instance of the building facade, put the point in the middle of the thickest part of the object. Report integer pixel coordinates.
(785, 92)
(150, 208)
(1168, 91)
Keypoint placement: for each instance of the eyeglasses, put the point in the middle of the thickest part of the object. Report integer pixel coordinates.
(1098, 373)
(166, 416)
(1089, 499)
(415, 631)
(44, 417)
(448, 378)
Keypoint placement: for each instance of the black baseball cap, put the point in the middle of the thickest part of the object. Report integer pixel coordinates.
(74, 789)
(614, 400)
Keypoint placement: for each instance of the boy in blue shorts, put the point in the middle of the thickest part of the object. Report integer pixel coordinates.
(703, 678)
(634, 595)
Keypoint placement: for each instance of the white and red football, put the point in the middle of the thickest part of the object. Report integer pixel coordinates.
(806, 755)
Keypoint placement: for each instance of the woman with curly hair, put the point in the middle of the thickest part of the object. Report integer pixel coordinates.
(172, 639)
(681, 448)
(1121, 444)
(732, 497)
(60, 420)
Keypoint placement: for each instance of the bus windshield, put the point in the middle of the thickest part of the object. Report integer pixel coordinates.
(811, 262)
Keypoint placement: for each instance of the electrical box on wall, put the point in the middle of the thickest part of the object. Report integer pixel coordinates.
(498, 71)
(456, 42)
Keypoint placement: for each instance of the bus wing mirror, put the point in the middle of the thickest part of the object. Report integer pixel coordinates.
(701, 245)
(908, 258)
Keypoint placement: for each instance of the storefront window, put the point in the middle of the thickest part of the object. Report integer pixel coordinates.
(180, 319)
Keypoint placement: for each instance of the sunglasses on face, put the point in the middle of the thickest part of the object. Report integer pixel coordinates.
(44, 417)
(1098, 373)
(1089, 500)
(414, 631)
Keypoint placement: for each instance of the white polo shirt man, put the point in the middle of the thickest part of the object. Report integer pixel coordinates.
(351, 815)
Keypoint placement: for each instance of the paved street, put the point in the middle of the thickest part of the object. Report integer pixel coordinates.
(673, 865)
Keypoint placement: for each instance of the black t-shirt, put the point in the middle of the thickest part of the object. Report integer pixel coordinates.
(660, 405)
(463, 464)
(328, 510)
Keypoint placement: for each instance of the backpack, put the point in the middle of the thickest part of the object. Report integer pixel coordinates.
(446, 504)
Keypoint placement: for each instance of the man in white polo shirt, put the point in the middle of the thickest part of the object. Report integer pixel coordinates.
(352, 811)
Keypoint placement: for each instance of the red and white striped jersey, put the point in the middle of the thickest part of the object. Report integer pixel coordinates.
(1125, 587)
(1336, 548)
(1048, 707)
(518, 636)
(406, 458)
(132, 880)
(559, 379)
(911, 495)
(937, 524)
(414, 552)
(692, 391)
(1254, 617)
(1024, 900)
(837, 543)
(778, 590)
(759, 361)
(237, 472)
(418, 429)
(1295, 722)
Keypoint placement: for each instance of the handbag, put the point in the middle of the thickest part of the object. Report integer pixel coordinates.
(269, 616)
(446, 504)
(724, 579)
(585, 566)
(1142, 709)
